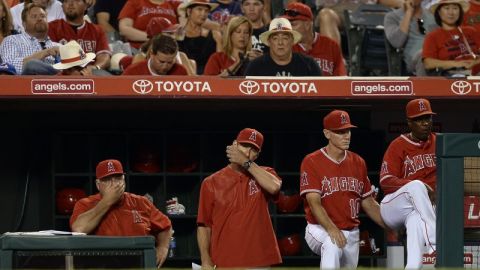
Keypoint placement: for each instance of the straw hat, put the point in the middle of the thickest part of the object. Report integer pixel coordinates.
(183, 7)
(463, 3)
(72, 55)
(278, 25)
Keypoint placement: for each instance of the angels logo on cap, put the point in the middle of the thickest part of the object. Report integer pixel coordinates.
(108, 167)
(251, 136)
(418, 107)
(337, 120)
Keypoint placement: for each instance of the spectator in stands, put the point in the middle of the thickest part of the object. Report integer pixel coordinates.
(136, 14)
(254, 10)
(282, 61)
(114, 212)
(451, 46)
(405, 29)
(331, 15)
(225, 10)
(324, 50)
(161, 60)
(472, 16)
(199, 42)
(90, 36)
(7, 69)
(106, 14)
(237, 50)
(31, 52)
(53, 8)
(6, 23)
(73, 60)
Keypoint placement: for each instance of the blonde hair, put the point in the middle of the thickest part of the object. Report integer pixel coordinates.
(7, 23)
(233, 24)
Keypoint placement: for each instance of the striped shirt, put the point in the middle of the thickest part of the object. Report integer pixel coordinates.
(15, 48)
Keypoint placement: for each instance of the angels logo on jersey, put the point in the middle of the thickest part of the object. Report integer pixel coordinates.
(136, 217)
(418, 162)
(252, 187)
(304, 179)
(334, 184)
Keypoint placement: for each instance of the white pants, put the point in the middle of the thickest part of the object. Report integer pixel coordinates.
(333, 257)
(410, 207)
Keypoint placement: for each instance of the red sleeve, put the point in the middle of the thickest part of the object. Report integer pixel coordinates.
(391, 178)
(273, 197)
(309, 181)
(206, 203)
(81, 207)
(52, 30)
(430, 46)
(367, 186)
(129, 10)
(340, 69)
(158, 221)
(213, 66)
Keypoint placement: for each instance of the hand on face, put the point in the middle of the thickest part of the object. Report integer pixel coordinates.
(112, 190)
(235, 155)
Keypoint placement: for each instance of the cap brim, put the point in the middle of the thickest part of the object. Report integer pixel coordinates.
(421, 114)
(346, 126)
(109, 174)
(183, 7)
(251, 143)
(265, 35)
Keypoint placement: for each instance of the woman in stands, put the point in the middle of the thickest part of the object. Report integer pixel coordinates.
(199, 42)
(136, 14)
(6, 24)
(237, 45)
(452, 46)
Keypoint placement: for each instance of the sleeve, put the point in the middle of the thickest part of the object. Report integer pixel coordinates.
(314, 68)
(429, 46)
(101, 6)
(53, 28)
(213, 66)
(340, 69)
(275, 197)
(392, 30)
(10, 54)
(158, 221)
(309, 181)
(129, 10)
(102, 41)
(391, 178)
(80, 207)
(206, 203)
(367, 186)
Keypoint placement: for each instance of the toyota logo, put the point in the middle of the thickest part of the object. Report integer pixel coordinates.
(142, 87)
(249, 87)
(461, 87)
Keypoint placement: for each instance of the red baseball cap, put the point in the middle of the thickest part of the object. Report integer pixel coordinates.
(108, 167)
(418, 107)
(158, 25)
(337, 120)
(298, 11)
(251, 136)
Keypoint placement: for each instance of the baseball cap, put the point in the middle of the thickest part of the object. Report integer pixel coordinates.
(108, 167)
(7, 68)
(251, 136)
(158, 25)
(298, 11)
(337, 120)
(418, 107)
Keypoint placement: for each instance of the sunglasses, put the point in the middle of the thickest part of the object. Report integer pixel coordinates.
(421, 28)
(293, 13)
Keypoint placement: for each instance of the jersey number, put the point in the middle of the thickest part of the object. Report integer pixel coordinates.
(354, 207)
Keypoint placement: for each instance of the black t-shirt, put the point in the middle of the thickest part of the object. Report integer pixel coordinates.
(199, 49)
(256, 43)
(301, 65)
(113, 8)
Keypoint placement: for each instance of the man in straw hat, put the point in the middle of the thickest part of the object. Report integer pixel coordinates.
(73, 60)
(408, 180)
(282, 61)
(234, 225)
(334, 184)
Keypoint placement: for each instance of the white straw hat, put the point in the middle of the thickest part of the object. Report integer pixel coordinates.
(72, 55)
(278, 25)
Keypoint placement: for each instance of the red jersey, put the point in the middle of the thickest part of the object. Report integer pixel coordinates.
(450, 45)
(217, 62)
(327, 54)
(406, 160)
(90, 36)
(472, 16)
(235, 207)
(342, 185)
(133, 215)
(141, 11)
(143, 68)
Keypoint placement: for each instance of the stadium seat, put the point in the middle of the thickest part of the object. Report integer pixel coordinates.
(396, 66)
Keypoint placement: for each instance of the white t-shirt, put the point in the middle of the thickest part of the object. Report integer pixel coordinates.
(54, 12)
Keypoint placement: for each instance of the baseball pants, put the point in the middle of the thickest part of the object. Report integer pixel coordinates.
(333, 257)
(410, 207)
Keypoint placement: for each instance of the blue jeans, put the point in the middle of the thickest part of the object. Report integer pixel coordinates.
(37, 67)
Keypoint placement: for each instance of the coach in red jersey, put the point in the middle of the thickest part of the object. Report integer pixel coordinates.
(408, 180)
(324, 50)
(161, 60)
(334, 184)
(234, 225)
(90, 36)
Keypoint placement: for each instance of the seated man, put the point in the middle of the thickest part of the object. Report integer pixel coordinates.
(73, 60)
(53, 8)
(161, 60)
(90, 36)
(114, 212)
